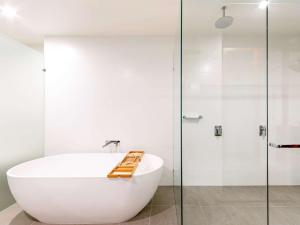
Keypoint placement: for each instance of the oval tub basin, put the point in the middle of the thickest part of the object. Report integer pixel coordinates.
(74, 189)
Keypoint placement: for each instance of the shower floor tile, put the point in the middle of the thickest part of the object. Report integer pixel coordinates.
(241, 205)
(163, 215)
(225, 196)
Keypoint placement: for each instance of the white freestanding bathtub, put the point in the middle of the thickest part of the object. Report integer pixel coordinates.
(73, 188)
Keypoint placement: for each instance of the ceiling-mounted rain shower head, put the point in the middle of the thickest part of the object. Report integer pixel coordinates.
(224, 21)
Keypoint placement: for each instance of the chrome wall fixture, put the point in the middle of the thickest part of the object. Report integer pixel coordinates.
(284, 146)
(218, 130)
(262, 131)
(191, 117)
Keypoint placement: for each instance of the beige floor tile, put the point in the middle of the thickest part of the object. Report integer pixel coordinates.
(14, 215)
(194, 215)
(143, 218)
(163, 215)
(284, 215)
(164, 195)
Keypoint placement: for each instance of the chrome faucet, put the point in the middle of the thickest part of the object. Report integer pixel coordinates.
(116, 142)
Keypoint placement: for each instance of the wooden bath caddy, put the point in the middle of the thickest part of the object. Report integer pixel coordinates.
(127, 167)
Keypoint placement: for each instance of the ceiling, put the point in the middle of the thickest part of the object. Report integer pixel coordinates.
(39, 18)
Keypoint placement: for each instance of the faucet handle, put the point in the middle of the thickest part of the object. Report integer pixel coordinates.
(116, 142)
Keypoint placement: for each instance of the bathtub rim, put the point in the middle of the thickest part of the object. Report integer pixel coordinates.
(10, 173)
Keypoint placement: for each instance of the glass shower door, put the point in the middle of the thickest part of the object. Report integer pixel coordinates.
(284, 112)
(224, 107)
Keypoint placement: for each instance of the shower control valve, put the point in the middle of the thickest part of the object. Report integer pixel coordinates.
(262, 131)
(218, 131)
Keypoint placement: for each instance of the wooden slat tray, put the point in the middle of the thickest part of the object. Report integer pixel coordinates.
(127, 167)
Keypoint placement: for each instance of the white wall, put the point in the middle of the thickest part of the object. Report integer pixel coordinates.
(244, 109)
(224, 80)
(109, 88)
(21, 109)
(284, 107)
(202, 95)
(99, 89)
(177, 112)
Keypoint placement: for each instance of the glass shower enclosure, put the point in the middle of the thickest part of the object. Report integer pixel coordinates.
(240, 126)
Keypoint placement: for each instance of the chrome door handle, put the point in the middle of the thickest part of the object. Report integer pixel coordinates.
(284, 146)
(192, 117)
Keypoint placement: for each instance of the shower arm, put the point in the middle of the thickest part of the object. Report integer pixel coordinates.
(224, 11)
